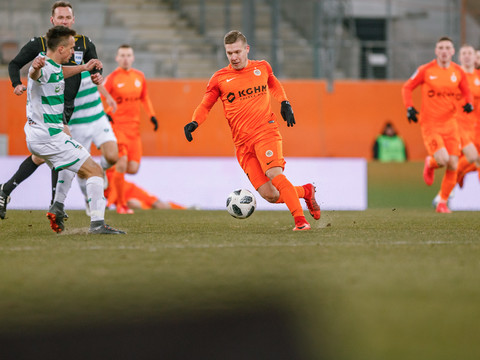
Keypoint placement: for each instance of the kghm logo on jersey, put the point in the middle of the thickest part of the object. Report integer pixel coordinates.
(447, 94)
(247, 93)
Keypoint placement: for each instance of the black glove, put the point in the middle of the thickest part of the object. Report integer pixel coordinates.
(109, 118)
(154, 121)
(287, 113)
(468, 108)
(189, 128)
(412, 114)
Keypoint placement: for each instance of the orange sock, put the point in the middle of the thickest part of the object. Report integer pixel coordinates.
(300, 193)
(289, 194)
(176, 206)
(448, 183)
(432, 163)
(118, 183)
(463, 168)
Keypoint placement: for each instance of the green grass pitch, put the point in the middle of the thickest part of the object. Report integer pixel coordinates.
(397, 281)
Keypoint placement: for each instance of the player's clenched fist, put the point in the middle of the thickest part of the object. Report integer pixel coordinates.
(38, 62)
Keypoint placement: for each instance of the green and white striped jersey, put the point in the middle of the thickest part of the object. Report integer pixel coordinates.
(88, 105)
(45, 102)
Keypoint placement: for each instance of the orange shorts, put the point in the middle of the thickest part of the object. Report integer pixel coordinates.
(130, 146)
(444, 135)
(466, 129)
(259, 154)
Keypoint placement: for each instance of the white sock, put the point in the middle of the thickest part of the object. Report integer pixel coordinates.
(95, 198)
(83, 186)
(104, 163)
(64, 184)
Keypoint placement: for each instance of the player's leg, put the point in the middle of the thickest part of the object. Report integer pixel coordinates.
(433, 142)
(307, 192)
(26, 168)
(71, 156)
(109, 151)
(448, 183)
(64, 183)
(118, 186)
(269, 152)
(468, 162)
(116, 176)
(134, 156)
(93, 173)
(447, 155)
(264, 167)
(104, 139)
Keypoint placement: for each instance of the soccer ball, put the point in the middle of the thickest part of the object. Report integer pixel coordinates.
(241, 203)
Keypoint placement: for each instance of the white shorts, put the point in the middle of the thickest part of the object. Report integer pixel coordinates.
(98, 132)
(60, 152)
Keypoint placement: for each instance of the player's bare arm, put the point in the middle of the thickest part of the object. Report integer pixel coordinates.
(69, 71)
(110, 100)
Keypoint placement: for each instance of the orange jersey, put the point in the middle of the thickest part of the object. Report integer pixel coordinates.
(439, 91)
(129, 89)
(245, 95)
(467, 122)
(474, 85)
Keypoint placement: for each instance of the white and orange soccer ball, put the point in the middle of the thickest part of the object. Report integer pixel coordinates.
(241, 203)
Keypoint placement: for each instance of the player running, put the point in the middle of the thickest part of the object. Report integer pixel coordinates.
(471, 122)
(441, 79)
(245, 87)
(128, 87)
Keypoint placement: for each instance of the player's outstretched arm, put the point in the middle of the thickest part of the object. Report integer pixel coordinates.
(69, 71)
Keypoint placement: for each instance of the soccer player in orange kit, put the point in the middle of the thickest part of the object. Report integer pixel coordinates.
(128, 88)
(244, 87)
(469, 124)
(441, 79)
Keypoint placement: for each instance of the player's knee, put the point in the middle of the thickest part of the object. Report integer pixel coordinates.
(36, 160)
(110, 152)
(90, 168)
(471, 156)
(111, 158)
(132, 167)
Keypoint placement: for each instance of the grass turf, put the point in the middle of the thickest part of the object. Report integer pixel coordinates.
(397, 281)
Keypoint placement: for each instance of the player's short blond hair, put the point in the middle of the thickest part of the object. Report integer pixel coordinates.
(233, 36)
(467, 46)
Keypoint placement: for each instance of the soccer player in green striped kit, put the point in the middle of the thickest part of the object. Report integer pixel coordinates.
(44, 128)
